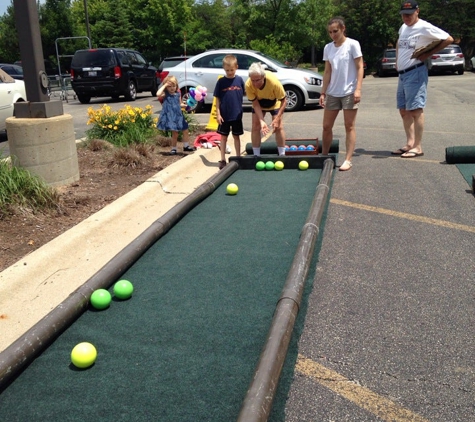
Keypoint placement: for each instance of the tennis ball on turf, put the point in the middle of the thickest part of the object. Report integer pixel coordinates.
(260, 165)
(100, 299)
(303, 165)
(270, 165)
(279, 165)
(123, 289)
(83, 355)
(232, 189)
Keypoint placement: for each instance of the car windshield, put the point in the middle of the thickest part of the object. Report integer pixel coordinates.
(450, 50)
(275, 61)
(390, 53)
(171, 62)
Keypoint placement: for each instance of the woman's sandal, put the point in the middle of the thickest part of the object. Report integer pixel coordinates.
(346, 165)
(399, 151)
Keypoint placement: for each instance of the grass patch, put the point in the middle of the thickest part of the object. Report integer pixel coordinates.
(20, 191)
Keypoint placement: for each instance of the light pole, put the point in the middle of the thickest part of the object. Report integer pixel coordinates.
(88, 30)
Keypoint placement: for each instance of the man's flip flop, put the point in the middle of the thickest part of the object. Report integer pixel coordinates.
(412, 154)
(399, 151)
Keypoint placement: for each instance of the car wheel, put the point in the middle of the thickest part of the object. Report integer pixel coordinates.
(380, 73)
(295, 98)
(84, 99)
(460, 72)
(131, 93)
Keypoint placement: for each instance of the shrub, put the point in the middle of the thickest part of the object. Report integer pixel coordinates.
(129, 125)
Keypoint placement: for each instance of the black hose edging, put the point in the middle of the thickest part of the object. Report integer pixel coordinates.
(26, 348)
(257, 404)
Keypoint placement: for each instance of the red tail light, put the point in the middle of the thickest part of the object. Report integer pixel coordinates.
(163, 75)
(435, 56)
(385, 60)
(460, 55)
(72, 74)
(117, 72)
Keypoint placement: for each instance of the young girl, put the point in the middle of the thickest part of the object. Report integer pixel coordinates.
(171, 116)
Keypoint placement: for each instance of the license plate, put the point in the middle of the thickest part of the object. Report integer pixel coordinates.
(392, 66)
(92, 73)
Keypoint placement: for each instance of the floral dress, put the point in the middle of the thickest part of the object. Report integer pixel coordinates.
(171, 116)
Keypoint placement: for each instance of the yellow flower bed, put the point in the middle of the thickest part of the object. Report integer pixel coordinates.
(121, 127)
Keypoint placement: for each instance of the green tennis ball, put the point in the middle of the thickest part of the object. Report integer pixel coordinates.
(100, 299)
(260, 165)
(270, 165)
(303, 165)
(279, 165)
(123, 289)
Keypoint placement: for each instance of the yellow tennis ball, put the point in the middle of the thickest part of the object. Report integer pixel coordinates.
(303, 165)
(83, 355)
(232, 189)
(279, 165)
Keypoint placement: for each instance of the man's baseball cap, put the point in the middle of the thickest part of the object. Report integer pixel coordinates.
(409, 7)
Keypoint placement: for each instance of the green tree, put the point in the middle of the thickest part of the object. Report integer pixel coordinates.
(56, 22)
(112, 26)
(159, 26)
(9, 48)
(374, 23)
(313, 16)
(209, 27)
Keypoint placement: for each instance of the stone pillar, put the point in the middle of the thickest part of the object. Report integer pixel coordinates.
(45, 147)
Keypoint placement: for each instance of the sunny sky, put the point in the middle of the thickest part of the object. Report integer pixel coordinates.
(3, 6)
(5, 3)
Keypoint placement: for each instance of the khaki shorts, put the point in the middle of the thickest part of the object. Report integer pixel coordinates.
(340, 103)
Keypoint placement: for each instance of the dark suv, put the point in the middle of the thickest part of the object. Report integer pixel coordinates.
(111, 72)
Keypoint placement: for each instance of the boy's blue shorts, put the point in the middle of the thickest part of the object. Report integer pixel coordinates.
(412, 89)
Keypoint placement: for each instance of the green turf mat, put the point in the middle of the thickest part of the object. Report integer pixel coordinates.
(185, 346)
(460, 154)
(467, 171)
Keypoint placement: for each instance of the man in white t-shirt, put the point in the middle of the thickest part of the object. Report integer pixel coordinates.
(413, 74)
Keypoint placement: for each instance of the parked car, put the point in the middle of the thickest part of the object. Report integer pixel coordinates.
(13, 70)
(386, 63)
(112, 72)
(11, 92)
(303, 87)
(50, 67)
(449, 59)
(471, 64)
(170, 62)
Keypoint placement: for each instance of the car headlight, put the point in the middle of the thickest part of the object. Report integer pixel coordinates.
(313, 81)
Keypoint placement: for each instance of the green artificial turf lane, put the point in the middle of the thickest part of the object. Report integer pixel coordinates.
(185, 346)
